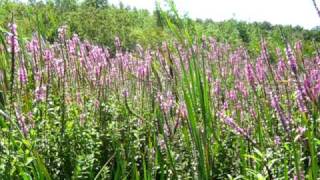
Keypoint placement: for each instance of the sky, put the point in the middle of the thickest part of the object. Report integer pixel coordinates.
(286, 12)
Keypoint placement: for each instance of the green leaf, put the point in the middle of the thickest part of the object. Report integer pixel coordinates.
(25, 176)
(29, 160)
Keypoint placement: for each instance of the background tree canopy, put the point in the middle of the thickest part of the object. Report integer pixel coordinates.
(100, 22)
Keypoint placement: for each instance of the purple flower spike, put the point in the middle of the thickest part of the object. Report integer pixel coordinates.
(22, 74)
(291, 59)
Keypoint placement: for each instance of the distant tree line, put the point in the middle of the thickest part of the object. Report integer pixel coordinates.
(100, 21)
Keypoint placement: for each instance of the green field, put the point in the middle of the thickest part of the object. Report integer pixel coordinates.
(90, 90)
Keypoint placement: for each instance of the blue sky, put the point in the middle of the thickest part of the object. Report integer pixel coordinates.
(293, 12)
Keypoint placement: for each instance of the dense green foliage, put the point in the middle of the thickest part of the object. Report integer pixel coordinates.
(135, 95)
(100, 22)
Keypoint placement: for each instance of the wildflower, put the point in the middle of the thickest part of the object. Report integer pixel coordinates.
(299, 178)
(291, 59)
(125, 93)
(13, 28)
(217, 87)
(40, 93)
(33, 46)
(300, 100)
(300, 131)
(311, 84)
(48, 55)
(182, 111)
(22, 74)
(71, 47)
(225, 105)
(277, 140)
(31, 119)
(253, 113)
(22, 122)
(233, 125)
(166, 101)
(232, 95)
(37, 76)
(280, 69)
(276, 105)
(12, 38)
(59, 67)
(142, 71)
(260, 70)
(250, 75)
(298, 46)
(241, 88)
(75, 39)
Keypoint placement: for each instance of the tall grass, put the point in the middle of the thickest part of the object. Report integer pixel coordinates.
(195, 108)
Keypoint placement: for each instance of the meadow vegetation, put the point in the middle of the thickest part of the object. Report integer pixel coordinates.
(94, 91)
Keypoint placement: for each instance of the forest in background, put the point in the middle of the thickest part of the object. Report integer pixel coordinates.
(99, 21)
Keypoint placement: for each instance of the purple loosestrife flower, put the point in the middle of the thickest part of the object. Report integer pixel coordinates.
(217, 87)
(298, 46)
(250, 75)
(40, 93)
(33, 46)
(301, 176)
(182, 111)
(311, 84)
(22, 74)
(253, 113)
(71, 47)
(13, 28)
(300, 100)
(316, 89)
(166, 101)
(30, 119)
(277, 140)
(22, 122)
(59, 68)
(12, 38)
(142, 70)
(236, 72)
(242, 88)
(75, 39)
(37, 76)
(209, 75)
(48, 57)
(260, 70)
(275, 103)
(291, 59)
(125, 93)
(300, 132)
(225, 105)
(235, 127)
(232, 95)
(281, 67)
